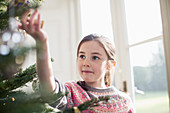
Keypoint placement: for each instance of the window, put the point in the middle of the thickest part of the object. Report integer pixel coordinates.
(143, 19)
(147, 55)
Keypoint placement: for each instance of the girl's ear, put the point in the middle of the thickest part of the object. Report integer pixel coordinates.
(110, 63)
(113, 62)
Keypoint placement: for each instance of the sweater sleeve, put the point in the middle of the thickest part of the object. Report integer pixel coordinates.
(62, 102)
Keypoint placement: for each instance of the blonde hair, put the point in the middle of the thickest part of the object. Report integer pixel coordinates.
(109, 49)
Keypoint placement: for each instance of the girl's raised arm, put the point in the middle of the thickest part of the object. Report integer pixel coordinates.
(44, 67)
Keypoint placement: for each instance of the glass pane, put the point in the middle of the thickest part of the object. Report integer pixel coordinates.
(143, 19)
(96, 17)
(149, 71)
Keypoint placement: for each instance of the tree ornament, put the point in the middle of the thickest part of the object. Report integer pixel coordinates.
(76, 110)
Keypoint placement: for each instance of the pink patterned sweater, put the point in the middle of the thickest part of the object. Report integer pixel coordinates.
(79, 92)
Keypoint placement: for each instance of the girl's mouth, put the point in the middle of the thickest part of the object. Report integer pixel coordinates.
(87, 72)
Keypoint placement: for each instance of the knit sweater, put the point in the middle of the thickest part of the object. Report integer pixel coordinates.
(79, 93)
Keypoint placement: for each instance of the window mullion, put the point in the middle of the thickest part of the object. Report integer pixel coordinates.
(146, 41)
(123, 71)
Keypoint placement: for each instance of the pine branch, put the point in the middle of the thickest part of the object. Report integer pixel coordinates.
(94, 102)
(9, 61)
(20, 79)
(19, 102)
(3, 24)
(4, 15)
(27, 102)
(15, 8)
(1, 77)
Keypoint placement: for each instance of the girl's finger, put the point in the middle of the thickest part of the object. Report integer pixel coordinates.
(38, 23)
(31, 22)
(20, 26)
(24, 19)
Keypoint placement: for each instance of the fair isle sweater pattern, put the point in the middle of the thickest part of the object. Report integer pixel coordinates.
(119, 102)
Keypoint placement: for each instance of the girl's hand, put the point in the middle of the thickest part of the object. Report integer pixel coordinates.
(33, 28)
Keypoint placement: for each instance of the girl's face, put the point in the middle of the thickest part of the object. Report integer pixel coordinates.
(92, 60)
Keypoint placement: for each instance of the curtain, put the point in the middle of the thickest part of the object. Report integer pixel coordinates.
(165, 12)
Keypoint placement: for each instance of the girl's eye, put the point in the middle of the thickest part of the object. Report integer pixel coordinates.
(95, 58)
(82, 56)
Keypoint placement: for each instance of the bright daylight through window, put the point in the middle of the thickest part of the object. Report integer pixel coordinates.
(147, 55)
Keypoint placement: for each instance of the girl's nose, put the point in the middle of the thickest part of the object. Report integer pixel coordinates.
(86, 63)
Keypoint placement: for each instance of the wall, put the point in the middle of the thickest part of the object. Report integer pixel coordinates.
(61, 22)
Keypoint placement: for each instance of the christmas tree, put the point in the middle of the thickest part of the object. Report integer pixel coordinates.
(12, 48)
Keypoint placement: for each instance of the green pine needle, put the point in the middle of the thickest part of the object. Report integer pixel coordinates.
(20, 79)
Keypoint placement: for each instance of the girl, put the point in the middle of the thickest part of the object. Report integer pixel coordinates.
(95, 62)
